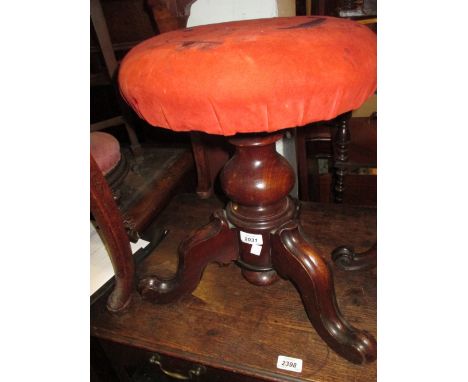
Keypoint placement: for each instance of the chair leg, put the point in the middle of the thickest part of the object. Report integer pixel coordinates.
(204, 183)
(302, 171)
(135, 145)
(109, 220)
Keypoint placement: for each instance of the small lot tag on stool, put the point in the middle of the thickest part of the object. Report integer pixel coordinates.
(288, 363)
(254, 239)
(251, 238)
(256, 249)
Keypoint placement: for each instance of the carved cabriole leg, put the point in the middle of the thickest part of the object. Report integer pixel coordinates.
(348, 260)
(109, 220)
(341, 140)
(295, 259)
(215, 242)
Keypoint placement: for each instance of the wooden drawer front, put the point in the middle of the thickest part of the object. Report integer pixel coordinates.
(137, 365)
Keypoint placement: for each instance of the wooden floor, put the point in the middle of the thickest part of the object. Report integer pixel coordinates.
(228, 324)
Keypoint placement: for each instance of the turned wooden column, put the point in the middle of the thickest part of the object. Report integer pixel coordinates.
(341, 139)
(257, 181)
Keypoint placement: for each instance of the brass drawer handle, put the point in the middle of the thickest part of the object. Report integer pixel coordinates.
(193, 374)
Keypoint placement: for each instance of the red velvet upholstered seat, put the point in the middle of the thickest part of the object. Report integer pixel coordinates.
(251, 76)
(105, 150)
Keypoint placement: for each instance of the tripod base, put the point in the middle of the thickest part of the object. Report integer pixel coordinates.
(266, 240)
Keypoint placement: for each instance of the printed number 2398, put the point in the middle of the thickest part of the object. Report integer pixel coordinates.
(289, 363)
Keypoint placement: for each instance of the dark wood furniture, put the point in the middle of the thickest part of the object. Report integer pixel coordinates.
(345, 257)
(259, 229)
(105, 44)
(333, 141)
(341, 8)
(349, 260)
(349, 146)
(210, 152)
(353, 144)
(114, 235)
(312, 144)
(143, 194)
(257, 181)
(230, 330)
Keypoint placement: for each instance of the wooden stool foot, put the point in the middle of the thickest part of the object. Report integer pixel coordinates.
(215, 242)
(348, 260)
(295, 259)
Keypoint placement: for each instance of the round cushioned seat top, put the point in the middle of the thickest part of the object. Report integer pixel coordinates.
(105, 150)
(251, 76)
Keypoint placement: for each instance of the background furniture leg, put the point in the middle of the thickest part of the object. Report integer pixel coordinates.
(204, 184)
(341, 140)
(109, 220)
(105, 43)
(348, 260)
(303, 175)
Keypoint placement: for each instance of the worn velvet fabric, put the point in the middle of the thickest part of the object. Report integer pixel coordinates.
(251, 76)
(105, 150)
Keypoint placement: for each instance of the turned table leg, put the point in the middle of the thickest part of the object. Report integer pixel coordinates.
(215, 242)
(295, 259)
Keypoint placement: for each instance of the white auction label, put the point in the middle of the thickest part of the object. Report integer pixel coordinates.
(251, 238)
(256, 249)
(288, 363)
